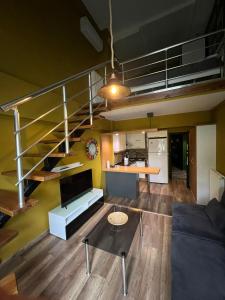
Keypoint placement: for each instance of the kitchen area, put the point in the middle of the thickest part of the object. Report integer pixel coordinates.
(134, 157)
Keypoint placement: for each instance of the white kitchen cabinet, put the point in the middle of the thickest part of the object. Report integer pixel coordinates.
(119, 142)
(136, 140)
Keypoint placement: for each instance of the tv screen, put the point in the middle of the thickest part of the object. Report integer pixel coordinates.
(72, 187)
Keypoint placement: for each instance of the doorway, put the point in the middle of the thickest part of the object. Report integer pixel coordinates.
(179, 156)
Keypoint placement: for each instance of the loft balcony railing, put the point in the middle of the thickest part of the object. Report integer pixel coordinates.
(192, 61)
(198, 59)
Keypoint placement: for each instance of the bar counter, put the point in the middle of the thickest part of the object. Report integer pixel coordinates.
(123, 181)
(133, 170)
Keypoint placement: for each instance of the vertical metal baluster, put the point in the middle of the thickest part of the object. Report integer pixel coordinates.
(122, 66)
(65, 112)
(123, 262)
(166, 68)
(141, 225)
(19, 160)
(223, 56)
(90, 98)
(88, 271)
(105, 82)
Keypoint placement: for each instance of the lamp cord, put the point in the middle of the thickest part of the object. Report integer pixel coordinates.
(111, 34)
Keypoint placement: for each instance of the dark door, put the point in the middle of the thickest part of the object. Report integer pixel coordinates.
(179, 156)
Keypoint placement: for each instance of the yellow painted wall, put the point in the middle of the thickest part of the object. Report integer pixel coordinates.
(41, 43)
(35, 221)
(168, 121)
(219, 117)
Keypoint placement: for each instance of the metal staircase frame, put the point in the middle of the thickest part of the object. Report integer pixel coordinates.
(64, 144)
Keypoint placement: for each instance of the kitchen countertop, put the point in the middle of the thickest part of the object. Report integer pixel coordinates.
(132, 169)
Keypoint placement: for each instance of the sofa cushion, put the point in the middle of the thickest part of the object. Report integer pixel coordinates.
(198, 268)
(222, 201)
(188, 209)
(200, 226)
(216, 213)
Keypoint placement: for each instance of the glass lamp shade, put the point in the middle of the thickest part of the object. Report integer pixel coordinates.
(114, 89)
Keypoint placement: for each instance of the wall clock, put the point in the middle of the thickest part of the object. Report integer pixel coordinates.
(92, 149)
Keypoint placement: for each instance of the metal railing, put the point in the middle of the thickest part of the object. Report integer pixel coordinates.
(180, 63)
(15, 104)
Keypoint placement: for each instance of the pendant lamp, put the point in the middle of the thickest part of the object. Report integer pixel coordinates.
(114, 89)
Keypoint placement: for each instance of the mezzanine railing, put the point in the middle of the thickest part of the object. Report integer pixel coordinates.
(192, 61)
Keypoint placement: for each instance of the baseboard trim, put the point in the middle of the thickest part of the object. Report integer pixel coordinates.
(5, 265)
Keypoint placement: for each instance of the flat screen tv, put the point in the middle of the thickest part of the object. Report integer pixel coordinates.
(72, 187)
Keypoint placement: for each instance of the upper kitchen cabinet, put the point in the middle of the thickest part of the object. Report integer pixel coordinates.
(136, 140)
(119, 142)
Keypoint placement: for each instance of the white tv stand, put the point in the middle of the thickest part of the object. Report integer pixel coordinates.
(64, 221)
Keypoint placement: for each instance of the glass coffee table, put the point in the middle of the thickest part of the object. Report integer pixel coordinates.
(114, 233)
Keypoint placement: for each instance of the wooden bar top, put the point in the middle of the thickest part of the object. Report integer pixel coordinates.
(133, 169)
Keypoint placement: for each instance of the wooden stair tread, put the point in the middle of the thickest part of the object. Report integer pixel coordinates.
(86, 111)
(35, 175)
(9, 203)
(55, 141)
(9, 285)
(54, 154)
(80, 127)
(6, 235)
(80, 118)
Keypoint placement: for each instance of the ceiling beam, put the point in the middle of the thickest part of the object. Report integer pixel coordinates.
(169, 94)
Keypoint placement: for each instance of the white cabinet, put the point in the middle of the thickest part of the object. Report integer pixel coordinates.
(136, 140)
(65, 221)
(206, 160)
(119, 142)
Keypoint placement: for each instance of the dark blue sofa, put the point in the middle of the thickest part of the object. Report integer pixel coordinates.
(198, 251)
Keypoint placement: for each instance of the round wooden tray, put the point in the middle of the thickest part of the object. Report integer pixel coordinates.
(117, 218)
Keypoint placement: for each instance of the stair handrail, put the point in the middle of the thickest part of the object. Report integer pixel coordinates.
(54, 148)
(31, 96)
(15, 104)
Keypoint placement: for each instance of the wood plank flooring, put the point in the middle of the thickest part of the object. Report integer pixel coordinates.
(55, 269)
(162, 197)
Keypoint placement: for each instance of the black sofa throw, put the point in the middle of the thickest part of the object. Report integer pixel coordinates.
(216, 213)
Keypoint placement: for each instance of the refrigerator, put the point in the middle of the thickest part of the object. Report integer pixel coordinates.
(158, 157)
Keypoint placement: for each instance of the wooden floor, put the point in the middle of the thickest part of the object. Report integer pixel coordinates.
(162, 197)
(55, 269)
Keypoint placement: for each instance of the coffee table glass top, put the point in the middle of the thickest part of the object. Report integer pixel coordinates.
(112, 238)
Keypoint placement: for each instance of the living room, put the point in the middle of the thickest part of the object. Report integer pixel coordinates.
(88, 208)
